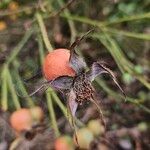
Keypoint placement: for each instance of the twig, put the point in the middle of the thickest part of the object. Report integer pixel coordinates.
(63, 8)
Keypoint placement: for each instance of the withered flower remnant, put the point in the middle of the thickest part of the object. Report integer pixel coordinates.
(78, 89)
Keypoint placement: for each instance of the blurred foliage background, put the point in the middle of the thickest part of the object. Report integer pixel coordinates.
(30, 29)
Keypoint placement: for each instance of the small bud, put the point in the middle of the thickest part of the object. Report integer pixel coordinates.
(85, 137)
(96, 127)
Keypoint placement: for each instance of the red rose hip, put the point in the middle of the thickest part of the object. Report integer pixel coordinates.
(56, 64)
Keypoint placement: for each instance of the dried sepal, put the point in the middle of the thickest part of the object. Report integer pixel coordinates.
(62, 83)
(72, 104)
(99, 68)
(95, 70)
(77, 62)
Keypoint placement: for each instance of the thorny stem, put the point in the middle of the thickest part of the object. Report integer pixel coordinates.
(128, 18)
(102, 25)
(21, 86)
(102, 40)
(123, 64)
(141, 36)
(4, 100)
(108, 23)
(48, 94)
(59, 103)
(43, 32)
(52, 113)
(7, 77)
(126, 65)
(13, 92)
